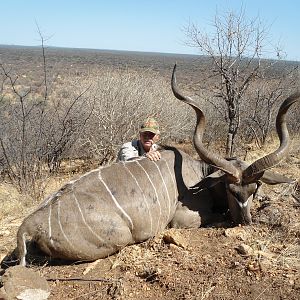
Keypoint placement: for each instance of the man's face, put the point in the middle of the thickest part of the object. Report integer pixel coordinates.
(148, 139)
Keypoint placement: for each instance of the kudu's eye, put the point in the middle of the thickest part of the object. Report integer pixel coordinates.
(240, 199)
(233, 193)
(257, 185)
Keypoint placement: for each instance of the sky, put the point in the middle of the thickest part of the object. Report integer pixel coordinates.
(138, 25)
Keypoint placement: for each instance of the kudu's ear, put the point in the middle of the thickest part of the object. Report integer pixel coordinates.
(210, 181)
(272, 178)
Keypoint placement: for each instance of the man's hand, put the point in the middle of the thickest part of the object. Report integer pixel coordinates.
(153, 155)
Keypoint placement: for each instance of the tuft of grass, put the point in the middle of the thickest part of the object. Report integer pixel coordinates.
(11, 201)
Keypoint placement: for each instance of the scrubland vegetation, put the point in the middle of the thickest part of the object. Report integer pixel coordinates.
(82, 105)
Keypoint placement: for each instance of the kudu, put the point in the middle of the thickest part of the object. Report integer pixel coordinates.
(128, 202)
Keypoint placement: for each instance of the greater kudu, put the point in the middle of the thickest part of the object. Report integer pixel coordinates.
(128, 202)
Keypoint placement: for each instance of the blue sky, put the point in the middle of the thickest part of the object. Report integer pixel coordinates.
(138, 25)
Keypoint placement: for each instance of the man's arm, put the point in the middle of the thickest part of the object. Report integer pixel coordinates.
(128, 151)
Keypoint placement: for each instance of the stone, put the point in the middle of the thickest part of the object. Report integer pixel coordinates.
(236, 232)
(173, 236)
(24, 284)
(3, 295)
(244, 249)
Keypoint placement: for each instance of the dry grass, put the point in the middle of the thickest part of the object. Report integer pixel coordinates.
(11, 201)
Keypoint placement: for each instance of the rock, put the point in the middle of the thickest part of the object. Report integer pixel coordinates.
(237, 232)
(173, 236)
(24, 284)
(3, 295)
(244, 249)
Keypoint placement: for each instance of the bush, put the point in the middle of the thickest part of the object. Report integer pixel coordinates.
(123, 99)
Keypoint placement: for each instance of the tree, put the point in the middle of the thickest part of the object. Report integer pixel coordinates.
(266, 94)
(236, 48)
(38, 126)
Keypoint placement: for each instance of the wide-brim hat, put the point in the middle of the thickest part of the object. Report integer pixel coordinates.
(151, 125)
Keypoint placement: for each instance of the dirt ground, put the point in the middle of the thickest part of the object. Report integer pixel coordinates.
(261, 261)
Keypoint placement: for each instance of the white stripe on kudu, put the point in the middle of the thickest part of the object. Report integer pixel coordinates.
(173, 179)
(144, 198)
(156, 195)
(60, 226)
(84, 221)
(49, 224)
(23, 260)
(169, 208)
(115, 201)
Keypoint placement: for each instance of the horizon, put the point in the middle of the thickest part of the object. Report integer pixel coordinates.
(96, 49)
(131, 51)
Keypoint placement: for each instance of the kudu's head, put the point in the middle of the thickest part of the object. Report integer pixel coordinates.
(241, 179)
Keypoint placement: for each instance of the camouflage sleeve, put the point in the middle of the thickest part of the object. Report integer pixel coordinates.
(128, 151)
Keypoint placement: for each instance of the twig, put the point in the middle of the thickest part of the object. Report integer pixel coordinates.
(84, 279)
